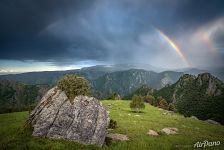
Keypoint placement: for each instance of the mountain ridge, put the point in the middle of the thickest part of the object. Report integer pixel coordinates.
(201, 96)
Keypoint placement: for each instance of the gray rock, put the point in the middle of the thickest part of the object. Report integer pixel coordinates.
(118, 137)
(169, 131)
(152, 133)
(212, 122)
(193, 117)
(85, 121)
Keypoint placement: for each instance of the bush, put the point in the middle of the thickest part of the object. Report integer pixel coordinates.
(149, 99)
(155, 101)
(114, 96)
(137, 103)
(74, 86)
(172, 107)
(163, 104)
(112, 124)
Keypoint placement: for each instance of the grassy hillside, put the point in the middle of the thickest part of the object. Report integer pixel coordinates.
(135, 125)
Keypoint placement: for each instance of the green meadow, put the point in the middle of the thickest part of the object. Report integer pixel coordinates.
(134, 125)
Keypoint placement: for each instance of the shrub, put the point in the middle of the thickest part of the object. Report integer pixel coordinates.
(171, 107)
(149, 99)
(74, 86)
(137, 103)
(114, 96)
(163, 104)
(155, 101)
(112, 124)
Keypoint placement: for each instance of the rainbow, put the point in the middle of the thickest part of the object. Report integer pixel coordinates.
(206, 39)
(174, 46)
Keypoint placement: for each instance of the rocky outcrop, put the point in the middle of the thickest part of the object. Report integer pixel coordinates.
(213, 84)
(84, 121)
(208, 85)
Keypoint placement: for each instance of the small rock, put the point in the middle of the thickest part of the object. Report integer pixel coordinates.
(193, 117)
(165, 113)
(137, 115)
(152, 132)
(212, 122)
(169, 131)
(118, 137)
(129, 114)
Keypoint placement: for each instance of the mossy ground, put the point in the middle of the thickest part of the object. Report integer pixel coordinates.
(135, 125)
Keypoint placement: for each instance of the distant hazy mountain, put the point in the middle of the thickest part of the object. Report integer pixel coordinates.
(106, 79)
(125, 82)
(218, 72)
(91, 73)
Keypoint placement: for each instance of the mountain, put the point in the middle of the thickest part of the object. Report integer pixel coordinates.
(51, 77)
(218, 72)
(125, 82)
(122, 79)
(91, 73)
(46, 77)
(142, 91)
(94, 72)
(98, 77)
(201, 96)
(16, 96)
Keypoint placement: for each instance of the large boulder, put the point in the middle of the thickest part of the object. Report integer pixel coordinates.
(84, 121)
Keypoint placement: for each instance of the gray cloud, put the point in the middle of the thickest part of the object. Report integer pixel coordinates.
(118, 31)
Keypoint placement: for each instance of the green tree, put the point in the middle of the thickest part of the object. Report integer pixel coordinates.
(137, 103)
(73, 86)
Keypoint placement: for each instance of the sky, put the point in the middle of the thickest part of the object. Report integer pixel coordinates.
(39, 35)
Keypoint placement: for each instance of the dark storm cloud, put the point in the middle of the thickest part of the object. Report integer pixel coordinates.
(63, 30)
(21, 22)
(198, 12)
